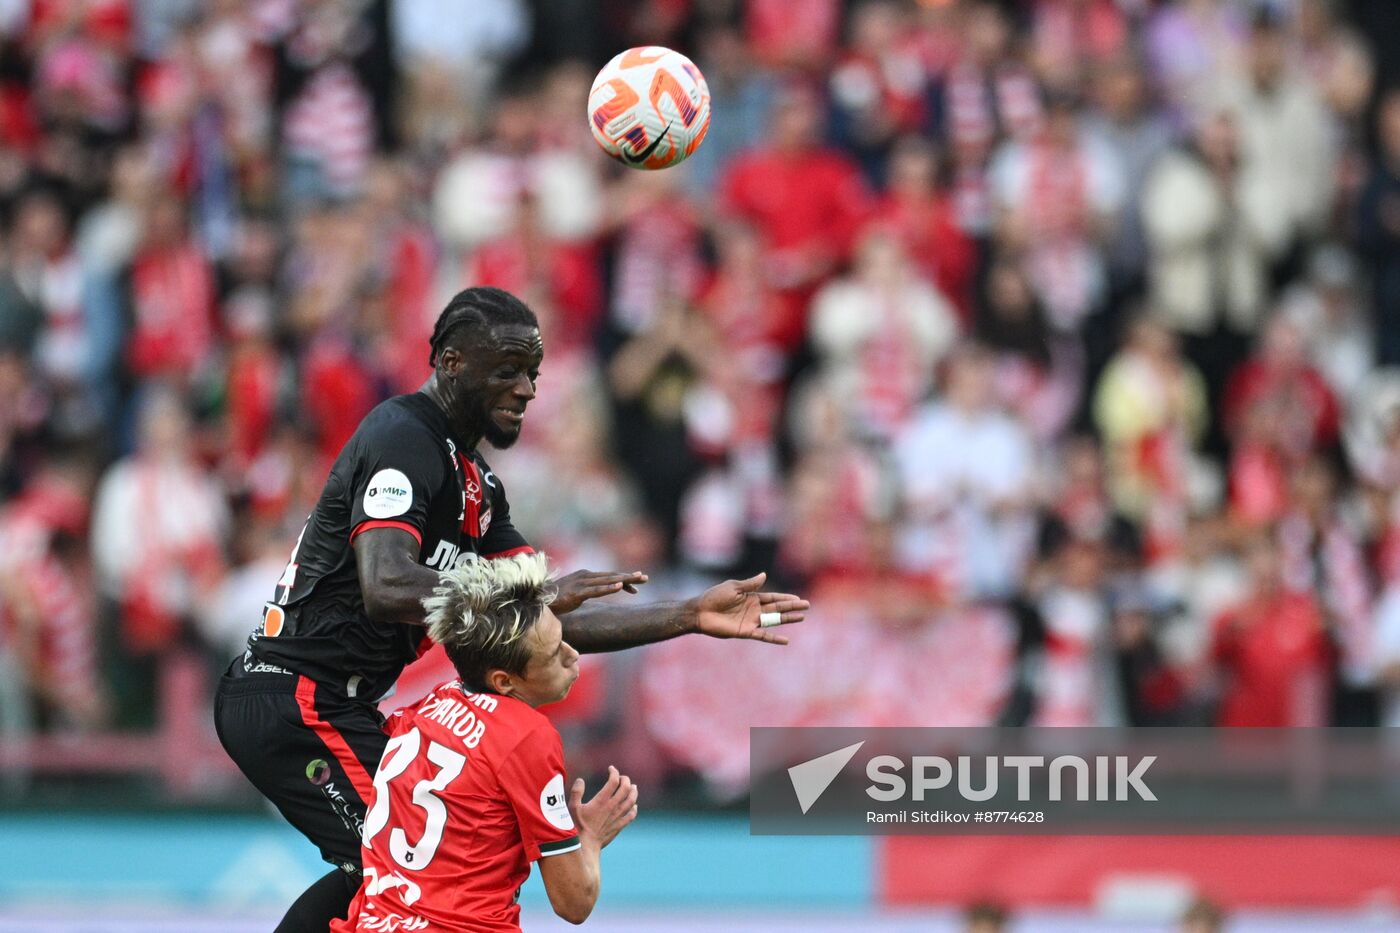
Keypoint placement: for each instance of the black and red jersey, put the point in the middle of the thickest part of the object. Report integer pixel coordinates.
(401, 469)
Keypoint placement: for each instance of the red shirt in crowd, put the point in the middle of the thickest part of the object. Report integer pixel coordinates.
(807, 206)
(469, 792)
(172, 300)
(937, 244)
(1304, 393)
(1274, 651)
(805, 201)
(793, 32)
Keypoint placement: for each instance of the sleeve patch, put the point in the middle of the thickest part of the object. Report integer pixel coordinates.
(554, 806)
(389, 494)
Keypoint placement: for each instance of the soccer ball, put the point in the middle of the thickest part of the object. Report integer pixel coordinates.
(649, 107)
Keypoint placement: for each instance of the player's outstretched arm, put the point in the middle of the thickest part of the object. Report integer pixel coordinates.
(732, 609)
(392, 581)
(573, 880)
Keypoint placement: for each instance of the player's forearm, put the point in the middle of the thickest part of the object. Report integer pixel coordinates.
(593, 629)
(573, 893)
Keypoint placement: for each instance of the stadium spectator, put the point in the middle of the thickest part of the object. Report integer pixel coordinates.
(1272, 649)
(47, 611)
(75, 339)
(807, 200)
(660, 381)
(880, 335)
(158, 529)
(1322, 555)
(451, 62)
(877, 89)
(917, 207)
(1378, 229)
(737, 87)
(1150, 409)
(478, 191)
(793, 34)
(1307, 410)
(987, 95)
(1069, 39)
(1124, 122)
(753, 324)
(1286, 146)
(1057, 195)
(1039, 371)
(837, 488)
(170, 299)
(966, 473)
(1076, 681)
(1213, 232)
(1190, 46)
(655, 249)
(1327, 308)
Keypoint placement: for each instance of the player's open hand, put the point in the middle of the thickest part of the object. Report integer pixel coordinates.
(736, 609)
(610, 810)
(583, 585)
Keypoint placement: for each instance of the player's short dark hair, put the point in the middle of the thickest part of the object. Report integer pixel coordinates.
(481, 611)
(479, 308)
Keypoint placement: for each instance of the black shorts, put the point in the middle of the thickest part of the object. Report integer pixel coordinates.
(310, 751)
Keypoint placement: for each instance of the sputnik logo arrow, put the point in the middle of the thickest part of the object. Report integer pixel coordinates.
(811, 778)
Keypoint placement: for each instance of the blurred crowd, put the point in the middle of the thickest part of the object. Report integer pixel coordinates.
(1051, 347)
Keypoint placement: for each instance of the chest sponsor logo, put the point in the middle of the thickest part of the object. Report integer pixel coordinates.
(389, 494)
(444, 556)
(554, 806)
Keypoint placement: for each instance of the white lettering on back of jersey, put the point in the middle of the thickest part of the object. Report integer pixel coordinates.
(457, 718)
(482, 701)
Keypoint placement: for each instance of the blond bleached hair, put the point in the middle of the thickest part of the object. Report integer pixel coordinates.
(481, 611)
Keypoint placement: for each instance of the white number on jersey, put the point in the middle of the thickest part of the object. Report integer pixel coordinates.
(399, 753)
(289, 575)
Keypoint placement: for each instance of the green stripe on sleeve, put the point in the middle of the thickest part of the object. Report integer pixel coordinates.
(559, 847)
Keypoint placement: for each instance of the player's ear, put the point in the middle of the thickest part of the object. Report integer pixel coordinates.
(450, 362)
(500, 682)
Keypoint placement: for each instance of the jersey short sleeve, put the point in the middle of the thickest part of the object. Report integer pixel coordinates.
(532, 777)
(398, 468)
(501, 539)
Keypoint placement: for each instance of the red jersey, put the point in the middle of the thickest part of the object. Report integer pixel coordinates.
(470, 791)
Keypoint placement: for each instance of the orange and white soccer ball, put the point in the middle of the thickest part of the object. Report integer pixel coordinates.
(649, 107)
